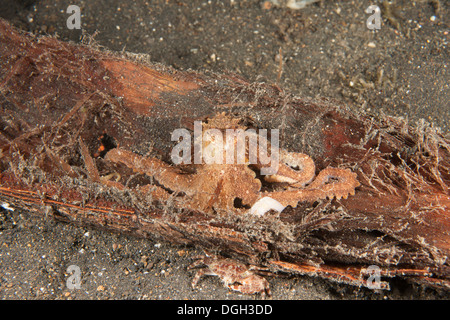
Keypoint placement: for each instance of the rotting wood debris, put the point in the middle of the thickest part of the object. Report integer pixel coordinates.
(64, 106)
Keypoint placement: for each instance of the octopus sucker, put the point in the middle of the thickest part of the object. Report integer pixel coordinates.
(330, 183)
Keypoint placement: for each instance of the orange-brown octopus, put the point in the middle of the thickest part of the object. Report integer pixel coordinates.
(218, 188)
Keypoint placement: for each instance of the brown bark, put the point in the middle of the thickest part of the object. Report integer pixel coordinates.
(63, 106)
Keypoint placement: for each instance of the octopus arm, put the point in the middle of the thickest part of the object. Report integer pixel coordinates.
(329, 183)
(164, 173)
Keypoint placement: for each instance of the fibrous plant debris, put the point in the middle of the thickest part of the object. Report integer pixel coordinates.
(65, 109)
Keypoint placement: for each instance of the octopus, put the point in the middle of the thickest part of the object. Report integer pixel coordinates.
(235, 275)
(235, 187)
